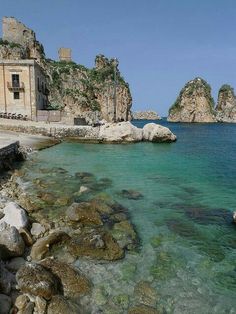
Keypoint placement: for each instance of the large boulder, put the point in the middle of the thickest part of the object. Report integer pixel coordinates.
(14, 215)
(5, 304)
(157, 133)
(74, 284)
(36, 280)
(7, 280)
(120, 132)
(11, 242)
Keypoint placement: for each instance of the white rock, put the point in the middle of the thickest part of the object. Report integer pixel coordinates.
(157, 133)
(37, 229)
(15, 216)
(234, 216)
(120, 132)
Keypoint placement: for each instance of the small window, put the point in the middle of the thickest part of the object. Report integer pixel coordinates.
(15, 80)
(16, 95)
(38, 85)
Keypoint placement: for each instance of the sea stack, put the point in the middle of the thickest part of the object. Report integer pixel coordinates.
(194, 103)
(226, 104)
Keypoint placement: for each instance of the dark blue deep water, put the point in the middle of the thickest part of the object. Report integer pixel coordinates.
(184, 220)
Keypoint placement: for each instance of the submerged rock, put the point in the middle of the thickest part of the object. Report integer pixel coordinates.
(145, 293)
(37, 229)
(37, 280)
(73, 283)
(234, 216)
(60, 305)
(42, 246)
(96, 244)
(125, 234)
(142, 309)
(194, 103)
(85, 177)
(157, 133)
(83, 213)
(131, 194)
(205, 216)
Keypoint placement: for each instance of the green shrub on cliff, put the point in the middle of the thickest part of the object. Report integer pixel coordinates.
(10, 44)
(226, 88)
(83, 84)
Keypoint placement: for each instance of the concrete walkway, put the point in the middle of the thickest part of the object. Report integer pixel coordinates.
(34, 141)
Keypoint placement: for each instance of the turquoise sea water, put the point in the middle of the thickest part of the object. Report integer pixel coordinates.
(188, 241)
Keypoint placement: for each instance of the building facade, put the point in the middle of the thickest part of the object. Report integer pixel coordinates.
(23, 88)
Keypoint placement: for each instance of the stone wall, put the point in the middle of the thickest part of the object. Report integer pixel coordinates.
(9, 154)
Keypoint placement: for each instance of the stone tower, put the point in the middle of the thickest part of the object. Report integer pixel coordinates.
(65, 54)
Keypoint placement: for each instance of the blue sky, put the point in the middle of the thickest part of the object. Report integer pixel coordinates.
(161, 44)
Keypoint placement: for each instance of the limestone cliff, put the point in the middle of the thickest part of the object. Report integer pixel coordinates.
(89, 92)
(145, 115)
(97, 93)
(21, 40)
(194, 103)
(226, 104)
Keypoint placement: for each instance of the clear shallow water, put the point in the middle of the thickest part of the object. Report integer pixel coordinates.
(188, 241)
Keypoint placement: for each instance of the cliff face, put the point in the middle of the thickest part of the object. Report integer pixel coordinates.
(89, 92)
(145, 115)
(226, 104)
(194, 103)
(21, 40)
(97, 93)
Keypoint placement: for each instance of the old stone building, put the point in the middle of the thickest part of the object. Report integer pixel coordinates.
(23, 88)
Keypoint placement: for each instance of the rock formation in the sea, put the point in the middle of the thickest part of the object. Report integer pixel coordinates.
(226, 104)
(194, 103)
(145, 115)
(95, 94)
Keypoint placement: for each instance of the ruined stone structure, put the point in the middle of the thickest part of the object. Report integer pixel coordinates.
(23, 88)
(65, 54)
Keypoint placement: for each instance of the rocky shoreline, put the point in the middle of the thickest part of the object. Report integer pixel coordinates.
(37, 252)
(122, 132)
